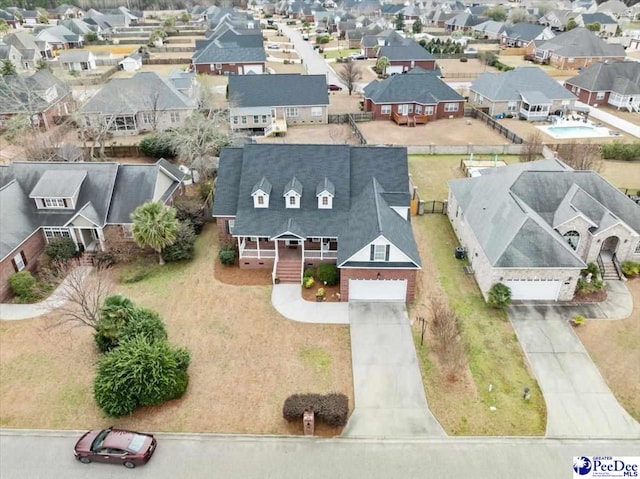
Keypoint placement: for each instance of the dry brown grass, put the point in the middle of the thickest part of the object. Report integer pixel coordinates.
(246, 359)
(613, 345)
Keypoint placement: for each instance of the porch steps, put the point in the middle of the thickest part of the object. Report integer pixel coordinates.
(610, 271)
(86, 259)
(289, 271)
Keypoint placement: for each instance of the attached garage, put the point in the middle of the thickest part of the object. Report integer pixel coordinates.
(252, 69)
(391, 69)
(378, 290)
(534, 290)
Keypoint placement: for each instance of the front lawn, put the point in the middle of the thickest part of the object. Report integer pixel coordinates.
(336, 53)
(246, 358)
(497, 372)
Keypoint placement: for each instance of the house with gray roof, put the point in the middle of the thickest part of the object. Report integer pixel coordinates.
(144, 102)
(577, 48)
(59, 37)
(288, 207)
(418, 93)
(526, 92)
(11, 54)
(371, 43)
(534, 226)
(29, 49)
(616, 84)
(267, 104)
(80, 60)
(489, 30)
(608, 26)
(521, 34)
(41, 95)
(90, 203)
(463, 22)
(407, 56)
(231, 52)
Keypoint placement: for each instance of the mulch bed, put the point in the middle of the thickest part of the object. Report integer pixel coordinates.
(595, 297)
(331, 293)
(242, 277)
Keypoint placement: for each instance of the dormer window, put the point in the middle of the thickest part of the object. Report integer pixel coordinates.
(58, 189)
(54, 202)
(260, 193)
(293, 193)
(325, 191)
(324, 200)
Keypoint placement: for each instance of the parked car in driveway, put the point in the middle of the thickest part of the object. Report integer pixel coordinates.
(334, 87)
(116, 446)
(273, 46)
(357, 56)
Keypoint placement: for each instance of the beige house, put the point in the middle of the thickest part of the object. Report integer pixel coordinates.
(267, 104)
(535, 226)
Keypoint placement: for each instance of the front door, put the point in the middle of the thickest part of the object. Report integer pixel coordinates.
(404, 110)
(610, 245)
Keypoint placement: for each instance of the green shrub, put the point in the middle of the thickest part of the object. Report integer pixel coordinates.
(328, 273)
(136, 273)
(630, 268)
(227, 254)
(308, 282)
(320, 293)
(578, 320)
(593, 269)
(157, 146)
(184, 247)
(144, 322)
(332, 409)
(23, 285)
(323, 39)
(191, 210)
(309, 272)
(183, 358)
(499, 296)
(115, 314)
(60, 249)
(621, 151)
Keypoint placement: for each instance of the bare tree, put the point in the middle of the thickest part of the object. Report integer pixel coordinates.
(152, 115)
(532, 148)
(350, 73)
(581, 156)
(444, 326)
(82, 294)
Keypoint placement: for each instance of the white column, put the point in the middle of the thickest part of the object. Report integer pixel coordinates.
(258, 246)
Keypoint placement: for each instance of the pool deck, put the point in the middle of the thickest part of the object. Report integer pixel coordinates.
(576, 129)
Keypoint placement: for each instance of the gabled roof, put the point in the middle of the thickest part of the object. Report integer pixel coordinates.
(619, 77)
(58, 184)
(263, 185)
(581, 42)
(277, 90)
(598, 17)
(77, 56)
(512, 211)
(57, 34)
(425, 88)
(524, 31)
(216, 53)
(465, 20)
(408, 51)
(508, 86)
(142, 92)
(490, 26)
(325, 185)
(293, 185)
(27, 93)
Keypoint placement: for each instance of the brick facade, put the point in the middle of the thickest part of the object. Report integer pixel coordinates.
(438, 112)
(411, 64)
(222, 224)
(31, 248)
(588, 97)
(226, 68)
(372, 274)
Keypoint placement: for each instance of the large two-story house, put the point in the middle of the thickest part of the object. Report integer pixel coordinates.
(288, 207)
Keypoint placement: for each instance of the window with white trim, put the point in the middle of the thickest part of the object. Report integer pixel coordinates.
(244, 120)
(292, 200)
(264, 118)
(325, 200)
(428, 110)
(385, 109)
(291, 112)
(260, 200)
(50, 232)
(218, 66)
(54, 202)
(235, 120)
(256, 119)
(450, 107)
(379, 252)
(637, 250)
(147, 118)
(600, 95)
(418, 109)
(512, 106)
(175, 116)
(19, 261)
(571, 60)
(316, 111)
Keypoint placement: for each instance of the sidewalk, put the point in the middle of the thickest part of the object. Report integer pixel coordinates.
(13, 312)
(287, 300)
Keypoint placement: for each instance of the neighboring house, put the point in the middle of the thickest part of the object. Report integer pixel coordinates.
(41, 96)
(526, 92)
(11, 53)
(577, 48)
(90, 203)
(144, 102)
(131, 63)
(79, 27)
(10, 18)
(489, 30)
(370, 44)
(269, 103)
(615, 8)
(557, 19)
(66, 11)
(291, 206)
(616, 84)
(533, 227)
(416, 97)
(405, 57)
(29, 50)
(29, 17)
(608, 26)
(463, 22)
(77, 60)
(521, 34)
(60, 38)
(230, 53)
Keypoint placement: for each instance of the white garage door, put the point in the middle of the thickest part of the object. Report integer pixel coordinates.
(534, 290)
(377, 290)
(252, 69)
(391, 69)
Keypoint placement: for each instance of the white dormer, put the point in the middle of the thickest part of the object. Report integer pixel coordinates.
(325, 191)
(292, 193)
(260, 193)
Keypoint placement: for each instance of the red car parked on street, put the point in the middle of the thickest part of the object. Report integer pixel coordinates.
(116, 446)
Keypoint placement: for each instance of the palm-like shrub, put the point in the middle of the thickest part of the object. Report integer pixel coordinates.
(154, 226)
(500, 296)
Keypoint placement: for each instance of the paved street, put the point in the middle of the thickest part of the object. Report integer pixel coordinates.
(579, 402)
(42, 455)
(388, 389)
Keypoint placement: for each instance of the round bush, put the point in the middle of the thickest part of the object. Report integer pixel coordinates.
(23, 285)
(157, 146)
(184, 246)
(192, 211)
(499, 296)
(61, 249)
(146, 323)
(227, 256)
(328, 273)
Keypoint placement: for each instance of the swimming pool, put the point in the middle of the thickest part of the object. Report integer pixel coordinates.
(575, 131)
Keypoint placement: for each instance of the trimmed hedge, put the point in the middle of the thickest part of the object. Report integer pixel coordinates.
(23, 285)
(621, 151)
(60, 249)
(328, 273)
(332, 409)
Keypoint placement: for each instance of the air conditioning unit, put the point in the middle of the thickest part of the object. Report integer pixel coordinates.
(450, 116)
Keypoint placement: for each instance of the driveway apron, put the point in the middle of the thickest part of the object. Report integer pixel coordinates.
(579, 402)
(389, 394)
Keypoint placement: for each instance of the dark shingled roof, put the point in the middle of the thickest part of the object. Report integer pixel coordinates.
(425, 88)
(619, 77)
(351, 170)
(278, 90)
(410, 51)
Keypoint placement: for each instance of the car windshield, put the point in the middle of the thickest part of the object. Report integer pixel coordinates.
(137, 442)
(97, 442)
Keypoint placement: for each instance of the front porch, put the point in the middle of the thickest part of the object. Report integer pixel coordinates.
(85, 239)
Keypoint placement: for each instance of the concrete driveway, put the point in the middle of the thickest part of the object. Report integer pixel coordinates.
(389, 395)
(579, 402)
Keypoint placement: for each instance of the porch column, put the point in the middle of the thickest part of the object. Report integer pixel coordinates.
(258, 246)
(100, 238)
(239, 246)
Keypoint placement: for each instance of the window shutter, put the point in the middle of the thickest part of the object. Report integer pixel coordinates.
(386, 253)
(24, 258)
(44, 204)
(372, 253)
(64, 201)
(15, 266)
